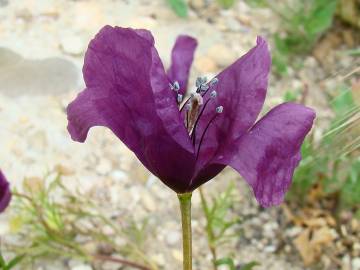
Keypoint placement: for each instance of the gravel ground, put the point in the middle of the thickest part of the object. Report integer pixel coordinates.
(43, 44)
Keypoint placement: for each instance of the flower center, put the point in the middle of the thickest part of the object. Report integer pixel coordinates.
(195, 107)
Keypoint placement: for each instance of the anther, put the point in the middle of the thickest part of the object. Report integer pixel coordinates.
(214, 81)
(204, 87)
(219, 109)
(213, 94)
(179, 98)
(175, 86)
(200, 81)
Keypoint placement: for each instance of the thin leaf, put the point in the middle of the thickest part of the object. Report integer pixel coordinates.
(15, 261)
(226, 261)
(180, 7)
(226, 3)
(250, 266)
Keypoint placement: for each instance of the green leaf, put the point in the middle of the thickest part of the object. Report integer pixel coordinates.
(320, 17)
(180, 7)
(2, 261)
(353, 52)
(226, 3)
(342, 103)
(14, 262)
(257, 3)
(250, 265)
(226, 261)
(291, 95)
(350, 193)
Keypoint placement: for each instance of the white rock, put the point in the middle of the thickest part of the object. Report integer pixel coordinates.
(82, 267)
(72, 45)
(173, 238)
(270, 249)
(356, 264)
(104, 166)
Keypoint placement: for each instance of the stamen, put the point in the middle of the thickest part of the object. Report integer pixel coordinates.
(193, 133)
(179, 98)
(175, 86)
(203, 135)
(213, 94)
(219, 109)
(186, 102)
(214, 81)
(187, 119)
(200, 81)
(204, 87)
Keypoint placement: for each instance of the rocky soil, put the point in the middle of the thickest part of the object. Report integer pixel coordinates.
(42, 48)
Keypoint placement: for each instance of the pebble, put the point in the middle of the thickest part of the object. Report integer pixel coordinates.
(72, 45)
(82, 267)
(355, 264)
(104, 167)
(197, 4)
(148, 202)
(173, 238)
(177, 254)
(159, 259)
(270, 249)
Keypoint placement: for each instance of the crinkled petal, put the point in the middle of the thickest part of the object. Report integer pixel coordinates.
(269, 153)
(5, 193)
(241, 90)
(181, 59)
(126, 91)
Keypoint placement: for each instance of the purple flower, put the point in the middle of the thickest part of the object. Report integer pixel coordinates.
(5, 194)
(187, 143)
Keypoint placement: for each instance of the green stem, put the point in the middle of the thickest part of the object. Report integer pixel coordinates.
(185, 207)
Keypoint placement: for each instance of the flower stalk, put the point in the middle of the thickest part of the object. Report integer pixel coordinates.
(185, 208)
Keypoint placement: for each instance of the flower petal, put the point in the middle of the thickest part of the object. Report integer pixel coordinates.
(5, 194)
(181, 59)
(127, 91)
(269, 153)
(241, 91)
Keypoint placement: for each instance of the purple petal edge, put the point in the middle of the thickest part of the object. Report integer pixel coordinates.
(269, 153)
(5, 193)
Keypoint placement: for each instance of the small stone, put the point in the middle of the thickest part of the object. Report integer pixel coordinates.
(197, 4)
(173, 238)
(119, 175)
(158, 259)
(72, 45)
(81, 267)
(355, 264)
(270, 249)
(144, 23)
(269, 230)
(293, 231)
(346, 263)
(177, 254)
(103, 167)
(148, 202)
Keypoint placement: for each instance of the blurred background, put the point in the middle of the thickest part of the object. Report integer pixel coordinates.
(92, 206)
